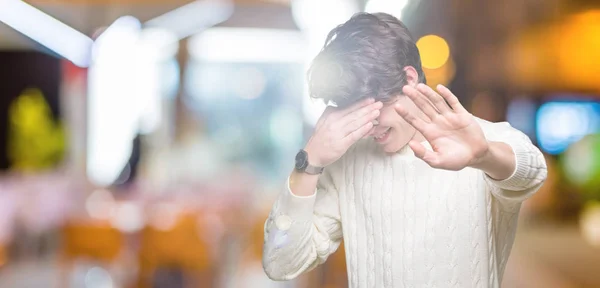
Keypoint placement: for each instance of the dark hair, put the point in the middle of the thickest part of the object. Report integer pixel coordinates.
(364, 57)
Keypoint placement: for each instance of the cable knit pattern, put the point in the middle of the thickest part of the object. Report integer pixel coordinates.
(387, 226)
(366, 199)
(405, 223)
(475, 245)
(490, 241)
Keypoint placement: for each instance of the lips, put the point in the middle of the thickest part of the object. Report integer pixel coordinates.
(381, 136)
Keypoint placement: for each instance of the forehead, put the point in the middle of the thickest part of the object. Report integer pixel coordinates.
(387, 101)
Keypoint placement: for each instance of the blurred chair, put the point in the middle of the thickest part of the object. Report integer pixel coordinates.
(331, 274)
(249, 269)
(93, 240)
(3, 254)
(177, 247)
(334, 271)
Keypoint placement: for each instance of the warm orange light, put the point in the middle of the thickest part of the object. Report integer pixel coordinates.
(578, 50)
(589, 223)
(442, 75)
(434, 51)
(561, 56)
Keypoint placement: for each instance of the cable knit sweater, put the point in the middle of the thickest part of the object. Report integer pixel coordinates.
(404, 223)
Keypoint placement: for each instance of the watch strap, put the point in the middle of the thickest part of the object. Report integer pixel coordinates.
(313, 170)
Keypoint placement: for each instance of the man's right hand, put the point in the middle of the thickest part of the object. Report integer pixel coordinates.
(338, 129)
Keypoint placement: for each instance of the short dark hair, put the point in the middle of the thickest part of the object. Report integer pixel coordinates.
(364, 57)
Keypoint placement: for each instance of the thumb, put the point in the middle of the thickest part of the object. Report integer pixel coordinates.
(417, 148)
(422, 153)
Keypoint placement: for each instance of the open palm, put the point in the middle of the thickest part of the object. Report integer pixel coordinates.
(455, 136)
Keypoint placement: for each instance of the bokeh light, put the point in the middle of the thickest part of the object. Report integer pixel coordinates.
(434, 51)
(561, 123)
(127, 217)
(250, 84)
(442, 75)
(98, 278)
(560, 55)
(581, 163)
(590, 223)
(394, 7)
(154, 155)
(100, 204)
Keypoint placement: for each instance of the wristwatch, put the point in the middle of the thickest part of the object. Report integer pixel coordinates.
(302, 164)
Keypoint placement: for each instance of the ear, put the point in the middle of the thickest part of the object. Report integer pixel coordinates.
(412, 77)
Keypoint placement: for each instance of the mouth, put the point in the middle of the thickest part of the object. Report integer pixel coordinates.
(382, 136)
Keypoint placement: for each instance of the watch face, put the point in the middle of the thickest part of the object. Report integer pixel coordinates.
(301, 160)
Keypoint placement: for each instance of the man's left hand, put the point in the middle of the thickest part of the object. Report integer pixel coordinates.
(455, 136)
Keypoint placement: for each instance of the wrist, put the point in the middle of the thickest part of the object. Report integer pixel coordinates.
(312, 156)
(483, 157)
(302, 184)
(497, 162)
(304, 165)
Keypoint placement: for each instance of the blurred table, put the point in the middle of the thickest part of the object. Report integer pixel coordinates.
(552, 256)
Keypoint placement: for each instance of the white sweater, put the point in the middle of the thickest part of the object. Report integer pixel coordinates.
(404, 223)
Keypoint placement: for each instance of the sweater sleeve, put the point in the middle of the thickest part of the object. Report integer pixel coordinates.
(301, 232)
(530, 170)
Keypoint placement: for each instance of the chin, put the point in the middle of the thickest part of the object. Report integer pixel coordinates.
(392, 143)
(391, 148)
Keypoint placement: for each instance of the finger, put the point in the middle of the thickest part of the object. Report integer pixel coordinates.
(434, 97)
(325, 115)
(360, 113)
(430, 157)
(421, 101)
(340, 113)
(370, 133)
(359, 122)
(357, 134)
(413, 120)
(451, 99)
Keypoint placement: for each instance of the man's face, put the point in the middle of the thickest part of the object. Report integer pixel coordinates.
(393, 132)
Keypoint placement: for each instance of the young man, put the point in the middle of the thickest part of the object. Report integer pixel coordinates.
(428, 198)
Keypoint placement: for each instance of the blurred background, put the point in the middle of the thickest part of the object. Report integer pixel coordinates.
(142, 142)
